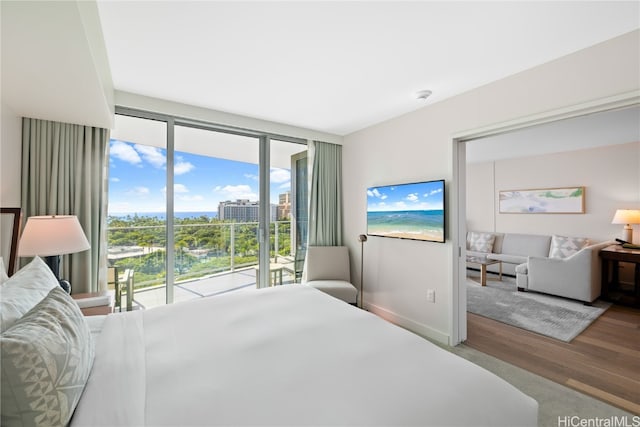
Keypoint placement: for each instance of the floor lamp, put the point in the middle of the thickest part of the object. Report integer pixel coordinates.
(362, 238)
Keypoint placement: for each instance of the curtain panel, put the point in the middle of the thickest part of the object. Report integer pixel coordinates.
(64, 172)
(325, 198)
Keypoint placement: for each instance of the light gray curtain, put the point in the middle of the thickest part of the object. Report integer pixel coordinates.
(325, 196)
(64, 172)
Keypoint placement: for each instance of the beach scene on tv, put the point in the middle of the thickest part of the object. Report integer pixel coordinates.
(407, 211)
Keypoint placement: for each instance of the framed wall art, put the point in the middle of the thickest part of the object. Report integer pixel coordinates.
(565, 200)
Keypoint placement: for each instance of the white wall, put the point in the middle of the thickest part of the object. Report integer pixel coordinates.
(609, 175)
(419, 146)
(10, 157)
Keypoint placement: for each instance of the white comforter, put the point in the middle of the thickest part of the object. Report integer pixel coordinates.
(288, 355)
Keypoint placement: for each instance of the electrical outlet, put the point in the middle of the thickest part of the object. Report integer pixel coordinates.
(431, 295)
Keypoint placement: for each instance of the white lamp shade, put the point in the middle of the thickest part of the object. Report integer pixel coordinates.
(52, 235)
(626, 216)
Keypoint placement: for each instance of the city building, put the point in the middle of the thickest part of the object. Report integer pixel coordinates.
(243, 210)
(284, 206)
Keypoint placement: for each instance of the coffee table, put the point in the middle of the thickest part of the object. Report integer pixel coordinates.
(483, 263)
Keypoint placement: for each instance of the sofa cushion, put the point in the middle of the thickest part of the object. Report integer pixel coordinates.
(526, 245)
(476, 254)
(480, 242)
(563, 247)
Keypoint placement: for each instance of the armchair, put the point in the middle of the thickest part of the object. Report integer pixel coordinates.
(576, 276)
(328, 271)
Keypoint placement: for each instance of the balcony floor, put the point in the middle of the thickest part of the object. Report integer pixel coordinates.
(237, 281)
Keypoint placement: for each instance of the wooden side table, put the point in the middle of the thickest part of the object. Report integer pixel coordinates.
(94, 303)
(275, 270)
(612, 290)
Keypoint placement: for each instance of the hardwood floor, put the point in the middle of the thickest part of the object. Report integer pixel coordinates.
(603, 361)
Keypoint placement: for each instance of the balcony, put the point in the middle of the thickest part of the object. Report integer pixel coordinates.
(211, 258)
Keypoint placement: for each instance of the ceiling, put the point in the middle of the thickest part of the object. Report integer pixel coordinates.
(339, 66)
(613, 127)
(331, 66)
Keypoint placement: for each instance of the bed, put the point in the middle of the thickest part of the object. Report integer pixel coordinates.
(287, 355)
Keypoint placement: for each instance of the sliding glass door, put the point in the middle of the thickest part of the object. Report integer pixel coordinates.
(137, 214)
(216, 196)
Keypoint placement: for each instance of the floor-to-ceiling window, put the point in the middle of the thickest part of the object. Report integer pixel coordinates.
(137, 232)
(208, 193)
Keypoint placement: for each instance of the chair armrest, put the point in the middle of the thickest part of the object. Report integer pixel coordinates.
(577, 276)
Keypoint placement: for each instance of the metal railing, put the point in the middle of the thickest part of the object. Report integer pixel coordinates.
(201, 249)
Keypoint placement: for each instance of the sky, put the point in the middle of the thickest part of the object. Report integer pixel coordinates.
(423, 196)
(137, 180)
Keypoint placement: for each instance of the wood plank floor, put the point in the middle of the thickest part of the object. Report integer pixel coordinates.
(603, 361)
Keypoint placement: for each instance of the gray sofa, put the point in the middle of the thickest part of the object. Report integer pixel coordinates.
(556, 265)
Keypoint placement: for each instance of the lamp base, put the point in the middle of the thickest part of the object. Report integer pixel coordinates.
(53, 262)
(65, 285)
(627, 233)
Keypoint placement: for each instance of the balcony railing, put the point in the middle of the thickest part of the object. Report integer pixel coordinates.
(201, 250)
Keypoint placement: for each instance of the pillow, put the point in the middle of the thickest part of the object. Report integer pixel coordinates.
(563, 247)
(46, 358)
(3, 272)
(480, 242)
(22, 291)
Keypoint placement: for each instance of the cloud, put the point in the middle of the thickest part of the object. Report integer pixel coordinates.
(376, 193)
(436, 191)
(182, 167)
(125, 152)
(400, 205)
(138, 191)
(280, 175)
(177, 188)
(180, 188)
(250, 176)
(153, 155)
(413, 197)
(233, 192)
(285, 186)
(114, 179)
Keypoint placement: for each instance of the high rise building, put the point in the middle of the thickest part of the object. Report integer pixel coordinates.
(284, 206)
(243, 210)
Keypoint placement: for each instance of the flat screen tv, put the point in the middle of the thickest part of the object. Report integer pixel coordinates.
(407, 211)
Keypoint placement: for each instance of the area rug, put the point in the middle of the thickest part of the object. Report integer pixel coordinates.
(558, 318)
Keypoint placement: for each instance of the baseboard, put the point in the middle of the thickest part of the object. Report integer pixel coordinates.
(411, 325)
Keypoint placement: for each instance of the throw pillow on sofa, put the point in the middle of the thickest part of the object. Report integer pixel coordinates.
(563, 247)
(481, 242)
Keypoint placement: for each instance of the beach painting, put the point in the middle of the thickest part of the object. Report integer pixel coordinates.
(407, 211)
(545, 200)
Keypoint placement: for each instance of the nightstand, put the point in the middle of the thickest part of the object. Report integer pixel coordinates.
(94, 303)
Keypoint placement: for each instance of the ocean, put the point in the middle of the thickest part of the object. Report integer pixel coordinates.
(421, 225)
(162, 215)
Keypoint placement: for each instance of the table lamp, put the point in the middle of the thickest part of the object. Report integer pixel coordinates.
(627, 217)
(51, 236)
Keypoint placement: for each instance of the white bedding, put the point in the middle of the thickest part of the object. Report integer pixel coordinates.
(288, 355)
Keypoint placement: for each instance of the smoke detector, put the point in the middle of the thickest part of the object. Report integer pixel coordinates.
(423, 94)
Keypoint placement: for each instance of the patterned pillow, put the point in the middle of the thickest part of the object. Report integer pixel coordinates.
(46, 359)
(563, 247)
(480, 242)
(22, 291)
